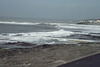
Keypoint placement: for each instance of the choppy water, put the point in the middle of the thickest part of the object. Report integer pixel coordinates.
(47, 33)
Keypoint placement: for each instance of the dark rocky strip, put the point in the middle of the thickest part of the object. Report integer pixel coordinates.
(19, 43)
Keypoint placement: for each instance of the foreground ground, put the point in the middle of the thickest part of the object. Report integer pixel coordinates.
(46, 55)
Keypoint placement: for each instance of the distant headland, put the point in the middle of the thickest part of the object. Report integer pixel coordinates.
(89, 21)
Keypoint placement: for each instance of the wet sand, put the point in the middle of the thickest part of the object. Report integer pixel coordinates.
(47, 55)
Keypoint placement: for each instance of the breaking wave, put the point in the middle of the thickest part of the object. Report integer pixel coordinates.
(35, 37)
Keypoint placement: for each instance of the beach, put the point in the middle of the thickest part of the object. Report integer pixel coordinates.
(48, 33)
(47, 55)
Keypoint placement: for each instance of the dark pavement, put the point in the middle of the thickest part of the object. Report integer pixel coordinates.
(91, 61)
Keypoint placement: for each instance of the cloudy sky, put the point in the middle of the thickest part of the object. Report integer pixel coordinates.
(50, 9)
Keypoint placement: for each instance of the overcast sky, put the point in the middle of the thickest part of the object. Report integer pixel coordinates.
(50, 9)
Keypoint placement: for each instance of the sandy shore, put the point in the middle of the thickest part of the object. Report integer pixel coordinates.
(46, 55)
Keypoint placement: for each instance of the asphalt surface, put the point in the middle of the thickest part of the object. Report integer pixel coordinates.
(91, 61)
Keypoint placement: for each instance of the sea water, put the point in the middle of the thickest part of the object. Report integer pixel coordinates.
(40, 33)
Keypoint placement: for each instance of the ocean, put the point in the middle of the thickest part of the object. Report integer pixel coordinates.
(14, 33)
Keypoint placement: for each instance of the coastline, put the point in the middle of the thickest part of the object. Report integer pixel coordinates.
(47, 55)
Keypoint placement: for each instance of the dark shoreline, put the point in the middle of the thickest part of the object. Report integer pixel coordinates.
(4, 52)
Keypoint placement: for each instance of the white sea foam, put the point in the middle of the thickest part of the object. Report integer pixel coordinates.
(84, 28)
(18, 23)
(36, 37)
(80, 26)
